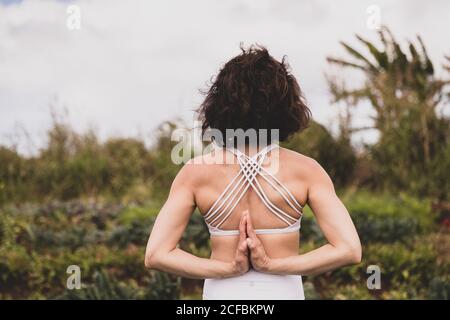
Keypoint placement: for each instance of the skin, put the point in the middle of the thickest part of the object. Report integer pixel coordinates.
(273, 253)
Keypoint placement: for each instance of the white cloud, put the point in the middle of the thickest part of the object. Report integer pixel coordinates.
(136, 63)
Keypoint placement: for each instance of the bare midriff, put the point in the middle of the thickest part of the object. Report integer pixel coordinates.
(278, 245)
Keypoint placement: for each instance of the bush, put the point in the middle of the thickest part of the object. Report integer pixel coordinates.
(196, 235)
(141, 214)
(388, 218)
(379, 217)
(406, 273)
(336, 155)
(163, 287)
(415, 265)
(74, 165)
(103, 288)
(310, 230)
(38, 243)
(439, 288)
(134, 233)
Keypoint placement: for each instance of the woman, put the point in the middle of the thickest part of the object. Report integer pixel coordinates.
(252, 207)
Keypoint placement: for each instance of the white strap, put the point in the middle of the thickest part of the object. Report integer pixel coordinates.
(280, 190)
(250, 169)
(248, 181)
(262, 195)
(211, 211)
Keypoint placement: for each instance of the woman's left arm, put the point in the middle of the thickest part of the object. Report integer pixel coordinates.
(343, 247)
(162, 251)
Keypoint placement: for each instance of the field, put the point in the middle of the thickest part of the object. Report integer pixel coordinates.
(89, 203)
(400, 234)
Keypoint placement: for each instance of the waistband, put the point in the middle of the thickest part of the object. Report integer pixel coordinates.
(254, 285)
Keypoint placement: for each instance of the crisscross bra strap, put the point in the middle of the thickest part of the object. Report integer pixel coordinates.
(250, 169)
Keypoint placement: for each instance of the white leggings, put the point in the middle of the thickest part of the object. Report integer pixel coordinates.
(254, 285)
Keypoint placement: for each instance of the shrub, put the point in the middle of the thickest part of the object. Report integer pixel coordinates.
(336, 155)
(439, 288)
(163, 286)
(388, 218)
(379, 217)
(196, 233)
(142, 214)
(406, 273)
(103, 288)
(135, 233)
(38, 243)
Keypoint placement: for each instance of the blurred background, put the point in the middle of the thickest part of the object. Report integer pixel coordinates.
(90, 92)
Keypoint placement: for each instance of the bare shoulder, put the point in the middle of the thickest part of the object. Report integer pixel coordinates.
(299, 160)
(304, 166)
(199, 168)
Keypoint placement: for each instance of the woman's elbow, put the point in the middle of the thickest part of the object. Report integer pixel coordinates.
(350, 253)
(151, 260)
(354, 253)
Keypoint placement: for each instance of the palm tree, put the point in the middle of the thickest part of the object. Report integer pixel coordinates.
(402, 87)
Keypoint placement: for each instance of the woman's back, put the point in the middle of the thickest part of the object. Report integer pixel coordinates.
(255, 254)
(269, 204)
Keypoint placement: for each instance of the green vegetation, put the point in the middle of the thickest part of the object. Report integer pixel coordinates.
(83, 202)
(405, 95)
(39, 242)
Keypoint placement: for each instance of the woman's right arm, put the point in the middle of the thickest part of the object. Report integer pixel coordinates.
(162, 248)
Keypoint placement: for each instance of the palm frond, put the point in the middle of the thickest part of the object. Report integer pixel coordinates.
(427, 61)
(359, 56)
(345, 63)
(380, 56)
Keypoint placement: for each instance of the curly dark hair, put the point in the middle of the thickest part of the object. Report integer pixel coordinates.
(255, 91)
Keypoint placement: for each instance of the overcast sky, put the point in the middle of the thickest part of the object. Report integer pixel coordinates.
(136, 63)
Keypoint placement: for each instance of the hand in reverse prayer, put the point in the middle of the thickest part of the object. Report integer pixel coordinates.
(258, 257)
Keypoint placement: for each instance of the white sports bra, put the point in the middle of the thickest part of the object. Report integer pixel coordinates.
(251, 168)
